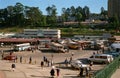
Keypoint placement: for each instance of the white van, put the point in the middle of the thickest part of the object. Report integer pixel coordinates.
(101, 58)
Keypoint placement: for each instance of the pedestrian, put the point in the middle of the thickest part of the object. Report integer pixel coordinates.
(57, 72)
(13, 66)
(20, 59)
(48, 63)
(66, 62)
(44, 58)
(70, 59)
(52, 62)
(42, 64)
(52, 72)
(16, 58)
(87, 71)
(2, 55)
(81, 71)
(30, 60)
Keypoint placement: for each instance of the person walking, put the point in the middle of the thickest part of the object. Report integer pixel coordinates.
(20, 59)
(57, 72)
(81, 71)
(30, 60)
(52, 72)
(42, 64)
(70, 59)
(13, 66)
(44, 58)
(16, 58)
(52, 63)
(66, 62)
(48, 62)
(2, 55)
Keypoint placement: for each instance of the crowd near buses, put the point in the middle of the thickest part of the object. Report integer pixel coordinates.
(106, 49)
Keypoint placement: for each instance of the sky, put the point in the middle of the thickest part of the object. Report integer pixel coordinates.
(94, 5)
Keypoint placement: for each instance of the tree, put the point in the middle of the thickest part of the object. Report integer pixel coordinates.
(67, 14)
(49, 10)
(86, 12)
(19, 14)
(34, 15)
(4, 16)
(72, 13)
(79, 14)
(63, 14)
(52, 15)
(116, 22)
(104, 14)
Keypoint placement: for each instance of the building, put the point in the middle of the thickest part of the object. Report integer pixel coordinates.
(47, 33)
(114, 8)
(32, 33)
(7, 35)
(51, 33)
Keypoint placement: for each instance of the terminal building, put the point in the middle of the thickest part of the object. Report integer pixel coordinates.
(46, 33)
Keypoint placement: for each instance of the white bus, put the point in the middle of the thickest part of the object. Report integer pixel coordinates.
(22, 47)
(58, 47)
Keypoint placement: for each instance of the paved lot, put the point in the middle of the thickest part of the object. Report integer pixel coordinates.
(116, 74)
(34, 70)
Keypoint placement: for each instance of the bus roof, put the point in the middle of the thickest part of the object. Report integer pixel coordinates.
(24, 44)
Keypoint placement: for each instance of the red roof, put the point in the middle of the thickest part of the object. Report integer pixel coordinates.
(22, 40)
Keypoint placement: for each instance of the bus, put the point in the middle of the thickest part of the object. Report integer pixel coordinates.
(22, 47)
(59, 47)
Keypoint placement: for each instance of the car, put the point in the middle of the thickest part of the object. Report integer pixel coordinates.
(101, 58)
(9, 57)
(77, 64)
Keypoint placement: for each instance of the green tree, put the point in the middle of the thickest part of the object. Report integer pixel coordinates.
(86, 12)
(52, 15)
(34, 15)
(19, 14)
(10, 10)
(67, 14)
(79, 14)
(72, 13)
(104, 14)
(4, 16)
(63, 14)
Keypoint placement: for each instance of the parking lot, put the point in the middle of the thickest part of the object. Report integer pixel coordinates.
(37, 57)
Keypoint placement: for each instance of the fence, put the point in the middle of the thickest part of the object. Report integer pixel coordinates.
(108, 70)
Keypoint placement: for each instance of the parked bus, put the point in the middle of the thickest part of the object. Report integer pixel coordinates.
(22, 47)
(59, 47)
